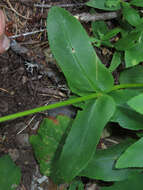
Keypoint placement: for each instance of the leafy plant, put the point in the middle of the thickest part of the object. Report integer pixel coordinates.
(130, 45)
(66, 149)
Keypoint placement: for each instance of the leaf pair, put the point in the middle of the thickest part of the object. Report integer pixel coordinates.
(85, 74)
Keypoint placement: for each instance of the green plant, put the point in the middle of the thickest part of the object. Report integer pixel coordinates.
(129, 47)
(74, 152)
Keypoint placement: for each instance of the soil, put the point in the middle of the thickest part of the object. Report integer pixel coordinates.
(24, 86)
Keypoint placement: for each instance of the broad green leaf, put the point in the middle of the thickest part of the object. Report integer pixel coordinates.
(46, 142)
(136, 103)
(10, 174)
(83, 138)
(133, 183)
(102, 165)
(132, 157)
(116, 60)
(138, 3)
(124, 115)
(128, 41)
(134, 55)
(75, 55)
(131, 14)
(102, 5)
(132, 75)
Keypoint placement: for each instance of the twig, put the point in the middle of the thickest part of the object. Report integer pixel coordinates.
(60, 5)
(10, 5)
(26, 125)
(27, 34)
(86, 17)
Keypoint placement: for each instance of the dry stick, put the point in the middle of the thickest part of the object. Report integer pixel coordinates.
(86, 17)
(60, 5)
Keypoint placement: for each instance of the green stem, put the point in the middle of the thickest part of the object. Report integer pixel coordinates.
(122, 86)
(48, 107)
(66, 102)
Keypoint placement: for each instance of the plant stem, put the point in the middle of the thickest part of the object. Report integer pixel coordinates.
(48, 107)
(122, 86)
(66, 102)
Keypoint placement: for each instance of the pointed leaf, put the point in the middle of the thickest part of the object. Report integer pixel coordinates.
(132, 157)
(81, 142)
(10, 174)
(136, 103)
(102, 5)
(133, 183)
(102, 165)
(111, 33)
(116, 60)
(124, 115)
(75, 55)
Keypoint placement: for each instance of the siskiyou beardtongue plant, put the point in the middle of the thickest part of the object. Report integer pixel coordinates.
(66, 148)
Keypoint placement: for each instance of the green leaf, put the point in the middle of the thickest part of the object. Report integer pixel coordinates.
(138, 3)
(99, 29)
(111, 33)
(46, 142)
(131, 14)
(124, 115)
(132, 157)
(134, 55)
(116, 60)
(128, 41)
(135, 182)
(136, 103)
(83, 138)
(102, 5)
(75, 55)
(132, 75)
(10, 174)
(112, 3)
(102, 165)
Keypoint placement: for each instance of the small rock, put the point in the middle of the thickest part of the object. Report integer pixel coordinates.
(23, 140)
